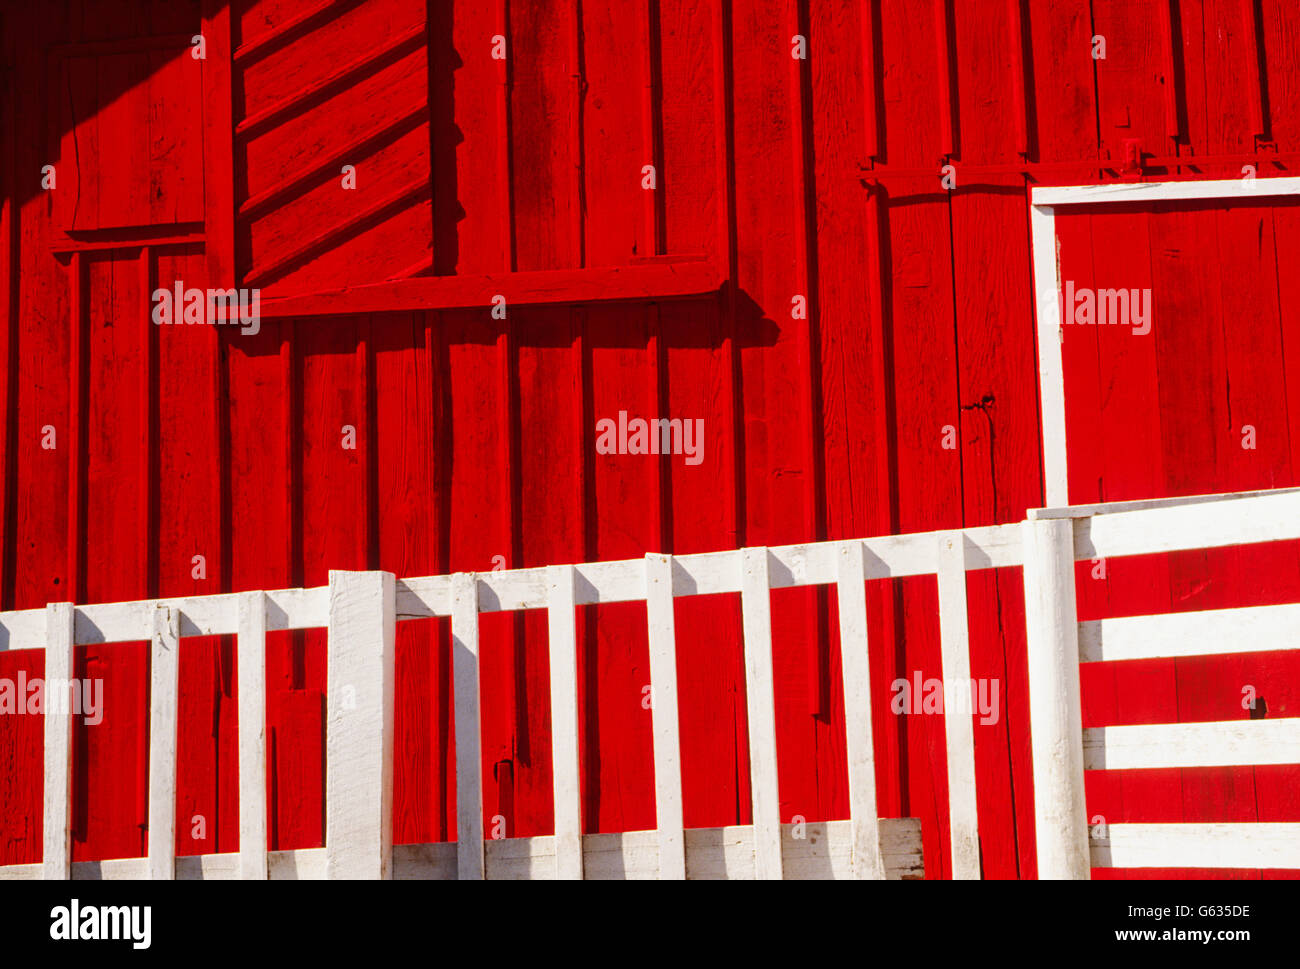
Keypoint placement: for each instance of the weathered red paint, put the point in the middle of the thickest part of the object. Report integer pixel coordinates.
(776, 178)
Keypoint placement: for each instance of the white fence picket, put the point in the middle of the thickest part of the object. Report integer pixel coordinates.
(856, 669)
(561, 620)
(1055, 712)
(469, 766)
(760, 701)
(662, 633)
(251, 663)
(164, 690)
(56, 857)
(359, 724)
(959, 730)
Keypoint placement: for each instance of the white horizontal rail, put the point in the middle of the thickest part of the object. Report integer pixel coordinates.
(711, 853)
(1214, 188)
(1245, 521)
(1247, 630)
(1219, 744)
(1259, 518)
(1198, 845)
(705, 573)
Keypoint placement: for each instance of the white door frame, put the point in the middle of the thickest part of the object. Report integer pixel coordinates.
(1044, 200)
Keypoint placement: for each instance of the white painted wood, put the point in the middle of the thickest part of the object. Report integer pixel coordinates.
(1267, 518)
(1215, 744)
(856, 669)
(708, 573)
(1055, 713)
(469, 766)
(1217, 188)
(1210, 632)
(251, 664)
(1198, 845)
(713, 853)
(959, 729)
(359, 725)
(56, 857)
(561, 619)
(164, 689)
(1051, 373)
(662, 631)
(760, 697)
(1114, 507)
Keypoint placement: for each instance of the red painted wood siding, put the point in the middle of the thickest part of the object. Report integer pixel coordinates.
(475, 436)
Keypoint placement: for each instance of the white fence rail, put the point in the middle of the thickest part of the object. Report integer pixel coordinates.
(361, 610)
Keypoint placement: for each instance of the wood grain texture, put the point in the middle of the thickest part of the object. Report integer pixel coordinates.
(475, 433)
(713, 854)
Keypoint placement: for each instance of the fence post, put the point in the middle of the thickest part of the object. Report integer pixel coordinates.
(251, 664)
(359, 725)
(470, 852)
(1055, 715)
(561, 619)
(56, 857)
(164, 690)
(756, 621)
(661, 633)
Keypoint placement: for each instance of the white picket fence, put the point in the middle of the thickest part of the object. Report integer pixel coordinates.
(360, 610)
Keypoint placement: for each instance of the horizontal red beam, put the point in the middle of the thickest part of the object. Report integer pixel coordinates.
(660, 280)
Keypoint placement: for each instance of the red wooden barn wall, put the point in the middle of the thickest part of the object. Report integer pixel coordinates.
(777, 177)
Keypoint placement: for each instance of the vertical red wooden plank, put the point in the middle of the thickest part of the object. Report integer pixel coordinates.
(918, 300)
(218, 144)
(21, 738)
(1281, 21)
(112, 427)
(258, 409)
(998, 426)
(1131, 102)
(699, 381)
(689, 117)
(42, 329)
(182, 458)
(335, 441)
(779, 480)
(617, 136)
(553, 441)
(477, 532)
(853, 437)
(543, 139)
(408, 434)
(623, 523)
(710, 667)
